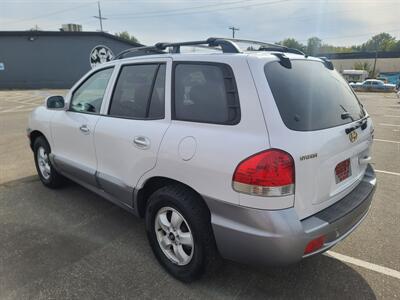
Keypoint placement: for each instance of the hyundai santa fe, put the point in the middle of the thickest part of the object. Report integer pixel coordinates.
(259, 156)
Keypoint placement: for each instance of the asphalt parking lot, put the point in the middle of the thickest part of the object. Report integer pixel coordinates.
(72, 244)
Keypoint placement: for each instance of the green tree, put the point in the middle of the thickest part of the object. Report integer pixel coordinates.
(313, 45)
(126, 36)
(362, 65)
(397, 46)
(292, 43)
(380, 42)
(326, 48)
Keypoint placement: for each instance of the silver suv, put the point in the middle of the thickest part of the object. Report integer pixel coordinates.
(259, 156)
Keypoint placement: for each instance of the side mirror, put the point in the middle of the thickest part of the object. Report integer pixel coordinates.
(55, 102)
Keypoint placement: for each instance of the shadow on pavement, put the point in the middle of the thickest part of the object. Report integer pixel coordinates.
(70, 243)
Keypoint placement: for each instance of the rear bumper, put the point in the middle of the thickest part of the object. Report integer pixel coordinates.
(279, 237)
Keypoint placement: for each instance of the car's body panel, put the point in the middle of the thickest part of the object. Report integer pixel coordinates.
(268, 237)
(70, 144)
(114, 139)
(39, 121)
(315, 187)
(213, 162)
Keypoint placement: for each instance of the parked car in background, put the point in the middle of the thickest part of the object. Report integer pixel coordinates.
(373, 85)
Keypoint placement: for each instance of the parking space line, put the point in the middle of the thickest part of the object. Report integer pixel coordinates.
(387, 141)
(387, 172)
(386, 124)
(391, 116)
(365, 264)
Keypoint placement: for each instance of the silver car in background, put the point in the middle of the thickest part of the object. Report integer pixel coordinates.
(373, 85)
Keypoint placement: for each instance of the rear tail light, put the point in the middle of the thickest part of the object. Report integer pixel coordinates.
(268, 173)
(314, 245)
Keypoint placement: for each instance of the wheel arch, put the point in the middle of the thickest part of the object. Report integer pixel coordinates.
(33, 135)
(153, 184)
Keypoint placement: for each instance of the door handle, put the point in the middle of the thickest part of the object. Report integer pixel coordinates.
(141, 142)
(84, 129)
(364, 160)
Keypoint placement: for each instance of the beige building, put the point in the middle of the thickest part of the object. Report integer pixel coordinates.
(382, 64)
(385, 62)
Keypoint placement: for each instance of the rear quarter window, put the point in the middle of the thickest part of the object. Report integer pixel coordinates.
(205, 93)
(311, 97)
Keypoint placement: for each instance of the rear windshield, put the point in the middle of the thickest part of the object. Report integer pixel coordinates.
(310, 97)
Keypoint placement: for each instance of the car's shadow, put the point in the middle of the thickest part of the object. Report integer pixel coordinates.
(70, 243)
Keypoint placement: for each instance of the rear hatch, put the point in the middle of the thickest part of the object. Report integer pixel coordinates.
(315, 116)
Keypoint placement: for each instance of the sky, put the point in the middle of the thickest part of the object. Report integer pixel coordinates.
(337, 22)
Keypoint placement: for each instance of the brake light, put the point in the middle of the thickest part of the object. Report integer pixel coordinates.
(314, 245)
(268, 173)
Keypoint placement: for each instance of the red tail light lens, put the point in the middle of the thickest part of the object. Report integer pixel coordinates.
(315, 245)
(268, 173)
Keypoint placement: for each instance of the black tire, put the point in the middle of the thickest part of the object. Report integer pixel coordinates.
(189, 204)
(54, 180)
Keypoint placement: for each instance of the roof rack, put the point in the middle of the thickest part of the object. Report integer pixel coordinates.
(265, 46)
(146, 50)
(225, 44)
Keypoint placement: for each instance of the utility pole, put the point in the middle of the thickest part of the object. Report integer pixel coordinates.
(100, 17)
(233, 28)
(376, 58)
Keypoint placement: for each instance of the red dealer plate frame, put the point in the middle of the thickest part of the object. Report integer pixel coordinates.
(343, 170)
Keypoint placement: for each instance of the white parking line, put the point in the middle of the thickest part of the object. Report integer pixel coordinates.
(387, 141)
(391, 116)
(386, 124)
(387, 172)
(365, 264)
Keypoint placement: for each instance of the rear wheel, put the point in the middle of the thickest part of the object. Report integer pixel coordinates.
(47, 174)
(179, 230)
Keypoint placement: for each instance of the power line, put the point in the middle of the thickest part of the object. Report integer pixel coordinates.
(48, 14)
(180, 9)
(138, 16)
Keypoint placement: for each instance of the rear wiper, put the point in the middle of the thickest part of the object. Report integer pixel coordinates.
(361, 123)
(346, 114)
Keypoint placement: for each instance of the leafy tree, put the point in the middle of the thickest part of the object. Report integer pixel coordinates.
(397, 47)
(380, 42)
(366, 67)
(292, 43)
(362, 66)
(313, 45)
(126, 36)
(326, 48)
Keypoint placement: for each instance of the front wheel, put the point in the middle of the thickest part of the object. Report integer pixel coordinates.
(179, 230)
(47, 174)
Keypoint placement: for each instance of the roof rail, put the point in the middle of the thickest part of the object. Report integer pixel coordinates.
(265, 46)
(226, 45)
(327, 63)
(147, 50)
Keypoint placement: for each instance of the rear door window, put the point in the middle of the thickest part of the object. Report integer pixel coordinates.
(311, 97)
(139, 92)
